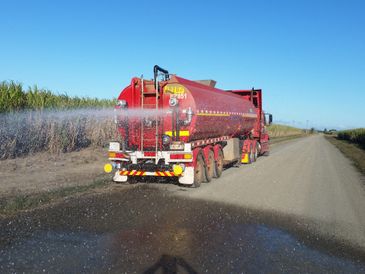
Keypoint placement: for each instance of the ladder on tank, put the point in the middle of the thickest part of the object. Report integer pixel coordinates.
(156, 69)
(156, 94)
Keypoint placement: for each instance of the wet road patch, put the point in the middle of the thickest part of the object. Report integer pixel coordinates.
(145, 230)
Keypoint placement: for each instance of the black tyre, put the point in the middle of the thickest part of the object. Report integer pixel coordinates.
(256, 152)
(210, 166)
(199, 171)
(258, 147)
(251, 155)
(219, 165)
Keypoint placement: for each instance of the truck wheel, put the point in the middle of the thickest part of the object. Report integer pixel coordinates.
(256, 153)
(210, 166)
(251, 155)
(258, 149)
(219, 165)
(199, 172)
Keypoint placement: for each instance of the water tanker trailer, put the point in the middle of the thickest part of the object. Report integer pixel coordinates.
(174, 127)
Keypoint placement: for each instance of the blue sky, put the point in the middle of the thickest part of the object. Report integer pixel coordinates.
(307, 56)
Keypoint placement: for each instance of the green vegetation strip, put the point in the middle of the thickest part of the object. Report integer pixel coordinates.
(352, 151)
(356, 136)
(13, 97)
(10, 205)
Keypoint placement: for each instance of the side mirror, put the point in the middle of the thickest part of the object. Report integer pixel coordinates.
(270, 119)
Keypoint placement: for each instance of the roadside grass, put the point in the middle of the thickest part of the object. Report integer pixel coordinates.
(13, 204)
(34, 120)
(14, 97)
(277, 130)
(356, 135)
(280, 133)
(23, 133)
(352, 151)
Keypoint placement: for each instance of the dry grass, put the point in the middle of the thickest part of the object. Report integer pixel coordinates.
(35, 120)
(352, 151)
(356, 136)
(276, 131)
(22, 133)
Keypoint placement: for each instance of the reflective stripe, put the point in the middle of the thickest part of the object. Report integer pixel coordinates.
(213, 114)
(250, 115)
(182, 133)
(146, 173)
(209, 141)
(149, 173)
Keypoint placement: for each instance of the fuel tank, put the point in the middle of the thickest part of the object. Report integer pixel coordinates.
(187, 110)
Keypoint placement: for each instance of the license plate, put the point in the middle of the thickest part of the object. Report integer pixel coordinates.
(177, 146)
(114, 146)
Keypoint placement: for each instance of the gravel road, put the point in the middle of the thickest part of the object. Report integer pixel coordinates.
(306, 178)
(299, 210)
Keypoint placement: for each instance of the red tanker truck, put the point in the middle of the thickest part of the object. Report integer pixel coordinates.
(174, 127)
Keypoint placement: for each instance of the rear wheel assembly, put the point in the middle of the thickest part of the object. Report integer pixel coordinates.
(251, 155)
(199, 171)
(255, 154)
(210, 166)
(219, 165)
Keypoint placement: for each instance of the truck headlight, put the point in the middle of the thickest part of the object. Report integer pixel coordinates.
(114, 146)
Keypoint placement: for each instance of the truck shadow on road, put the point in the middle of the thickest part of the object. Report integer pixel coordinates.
(170, 264)
(143, 229)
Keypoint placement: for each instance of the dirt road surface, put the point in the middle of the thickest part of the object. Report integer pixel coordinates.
(301, 209)
(44, 172)
(307, 178)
